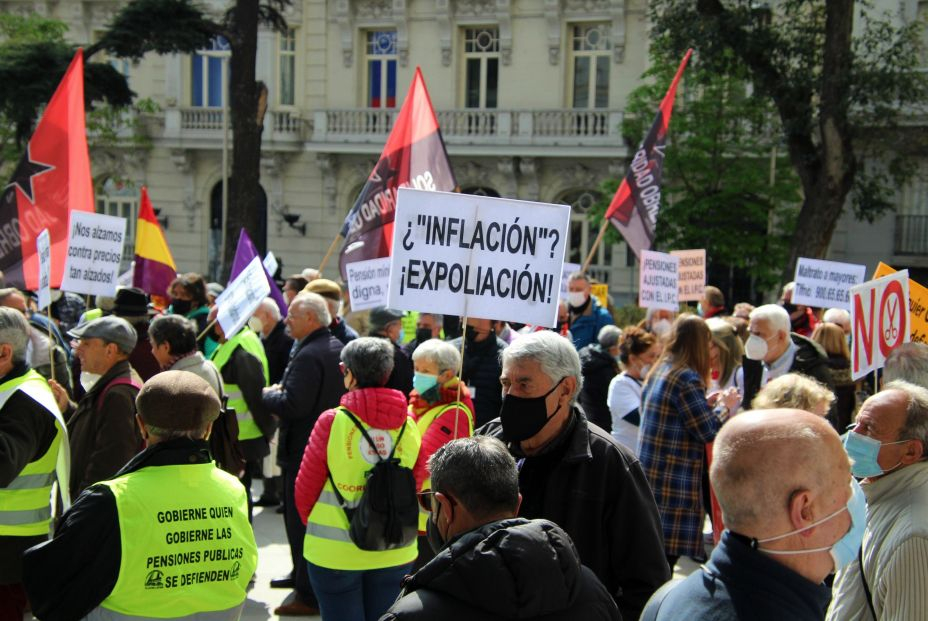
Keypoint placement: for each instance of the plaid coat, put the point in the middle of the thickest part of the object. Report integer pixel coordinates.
(676, 424)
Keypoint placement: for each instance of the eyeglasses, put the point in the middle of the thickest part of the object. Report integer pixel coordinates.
(425, 499)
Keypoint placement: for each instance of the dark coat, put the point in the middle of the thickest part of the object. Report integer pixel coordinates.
(598, 368)
(247, 372)
(401, 377)
(277, 346)
(342, 331)
(482, 367)
(311, 385)
(519, 568)
(594, 489)
(141, 358)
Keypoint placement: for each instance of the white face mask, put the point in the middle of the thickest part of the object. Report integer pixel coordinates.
(576, 298)
(88, 380)
(661, 327)
(755, 348)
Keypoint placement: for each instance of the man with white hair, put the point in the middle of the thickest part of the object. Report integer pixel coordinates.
(839, 317)
(574, 473)
(888, 449)
(772, 351)
(907, 362)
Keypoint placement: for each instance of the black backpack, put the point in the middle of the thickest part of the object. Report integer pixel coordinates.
(387, 514)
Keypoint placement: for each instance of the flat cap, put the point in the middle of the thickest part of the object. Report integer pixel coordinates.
(111, 329)
(177, 401)
(381, 316)
(326, 288)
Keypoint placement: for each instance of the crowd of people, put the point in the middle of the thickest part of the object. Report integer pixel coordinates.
(478, 469)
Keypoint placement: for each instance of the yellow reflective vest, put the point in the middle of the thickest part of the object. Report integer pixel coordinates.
(246, 339)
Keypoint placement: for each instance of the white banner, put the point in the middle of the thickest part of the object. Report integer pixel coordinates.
(826, 284)
(476, 256)
(691, 277)
(879, 321)
(270, 264)
(94, 253)
(241, 298)
(657, 281)
(368, 283)
(44, 249)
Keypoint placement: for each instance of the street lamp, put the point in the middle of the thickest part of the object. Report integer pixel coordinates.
(223, 51)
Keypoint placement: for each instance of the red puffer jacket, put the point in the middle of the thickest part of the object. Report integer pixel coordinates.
(381, 408)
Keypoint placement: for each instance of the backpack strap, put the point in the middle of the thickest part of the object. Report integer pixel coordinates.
(119, 381)
(863, 580)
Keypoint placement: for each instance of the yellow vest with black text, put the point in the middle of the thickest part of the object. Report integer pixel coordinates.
(246, 339)
(187, 546)
(349, 456)
(423, 424)
(25, 504)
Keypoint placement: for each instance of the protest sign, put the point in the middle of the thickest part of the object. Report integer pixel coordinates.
(691, 277)
(826, 284)
(43, 248)
(601, 293)
(476, 256)
(657, 281)
(879, 322)
(241, 297)
(270, 264)
(368, 283)
(94, 253)
(918, 305)
(569, 268)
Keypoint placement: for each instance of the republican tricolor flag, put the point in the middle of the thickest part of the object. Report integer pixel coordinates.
(51, 180)
(634, 207)
(154, 265)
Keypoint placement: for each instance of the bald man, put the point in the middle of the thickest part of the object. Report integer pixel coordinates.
(793, 515)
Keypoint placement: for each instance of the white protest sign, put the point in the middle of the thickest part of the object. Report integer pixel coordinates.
(125, 279)
(43, 247)
(476, 256)
(368, 283)
(657, 281)
(691, 279)
(94, 253)
(270, 264)
(879, 321)
(241, 298)
(569, 268)
(826, 284)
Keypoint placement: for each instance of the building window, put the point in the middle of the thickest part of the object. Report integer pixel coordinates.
(206, 76)
(581, 233)
(380, 53)
(590, 56)
(122, 201)
(286, 62)
(481, 67)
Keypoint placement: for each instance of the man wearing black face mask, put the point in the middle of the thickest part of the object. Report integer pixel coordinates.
(428, 326)
(482, 367)
(575, 474)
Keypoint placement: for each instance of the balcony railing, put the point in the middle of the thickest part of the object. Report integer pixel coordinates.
(206, 123)
(911, 235)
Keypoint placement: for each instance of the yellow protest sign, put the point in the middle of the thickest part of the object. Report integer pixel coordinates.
(601, 293)
(918, 304)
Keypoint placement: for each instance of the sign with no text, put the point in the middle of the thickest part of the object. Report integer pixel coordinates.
(918, 305)
(826, 284)
(657, 281)
(691, 280)
(879, 321)
(94, 253)
(242, 297)
(368, 283)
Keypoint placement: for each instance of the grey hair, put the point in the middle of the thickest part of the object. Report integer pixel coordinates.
(555, 354)
(774, 314)
(609, 336)
(916, 412)
(787, 288)
(837, 315)
(442, 353)
(479, 472)
(578, 276)
(370, 360)
(269, 305)
(173, 434)
(315, 305)
(908, 362)
(437, 317)
(14, 331)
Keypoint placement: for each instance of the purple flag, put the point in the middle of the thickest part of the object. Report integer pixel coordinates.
(244, 253)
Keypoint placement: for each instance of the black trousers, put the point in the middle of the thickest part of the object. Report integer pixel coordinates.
(295, 533)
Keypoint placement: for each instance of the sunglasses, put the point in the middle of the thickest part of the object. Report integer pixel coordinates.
(425, 499)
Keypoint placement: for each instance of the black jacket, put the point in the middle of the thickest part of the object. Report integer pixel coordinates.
(511, 569)
(311, 385)
(595, 489)
(342, 331)
(482, 367)
(277, 346)
(246, 371)
(598, 369)
(401, 377)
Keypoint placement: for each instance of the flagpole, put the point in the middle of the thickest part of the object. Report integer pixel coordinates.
(461, 371)
(596, 242)
(51, 340)
(328, 253)
(206, 330)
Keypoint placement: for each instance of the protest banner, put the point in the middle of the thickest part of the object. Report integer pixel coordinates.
(691, 278)
(43, 248)
(270, 263)
(569, 268)
(241, 298)
(918, 305)
(601, 293)
(657, 281)
(826, 284)
(369, 283)
(476, 256)
(94, 253)
(879, 322)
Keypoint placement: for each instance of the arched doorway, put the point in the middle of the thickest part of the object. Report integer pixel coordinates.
(214, 249)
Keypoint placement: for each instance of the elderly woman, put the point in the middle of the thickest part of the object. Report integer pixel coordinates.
(352, 584)
(599, 364)
(794, 391)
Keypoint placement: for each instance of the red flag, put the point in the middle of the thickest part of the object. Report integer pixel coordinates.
(634, 207)
(52, 178)
(414, 157)
(154, 265)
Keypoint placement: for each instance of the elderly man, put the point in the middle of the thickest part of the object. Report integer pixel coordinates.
(587, 317)
(144, 543)
(600, 363)
(840, 318)
(332, 293)
(712, 303)
(793, 515)
(482, 366)
(41, 346)
(269, 325)
(521, 568)
(908, 362)
(101, 427)
(387, 323)
(888, 450)
(311, 384)
(428, 326)
(575, 474)
(32, 435)
(772, 350)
